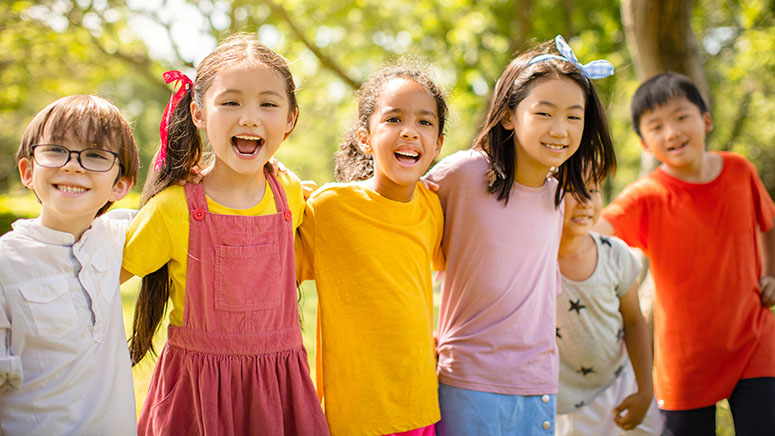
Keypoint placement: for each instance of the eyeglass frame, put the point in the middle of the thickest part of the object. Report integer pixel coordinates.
(116, 157)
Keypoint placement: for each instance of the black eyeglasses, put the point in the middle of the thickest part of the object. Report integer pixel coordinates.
(91, 159)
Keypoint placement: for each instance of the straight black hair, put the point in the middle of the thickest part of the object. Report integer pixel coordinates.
(658, 90)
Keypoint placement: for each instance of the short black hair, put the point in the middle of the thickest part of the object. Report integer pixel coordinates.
(658, 90)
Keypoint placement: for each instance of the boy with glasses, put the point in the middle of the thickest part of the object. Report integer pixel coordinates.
(64, 363)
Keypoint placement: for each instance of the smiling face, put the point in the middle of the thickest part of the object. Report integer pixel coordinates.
(71, 196)
(246, 114)
(580, 217)
(675, 134)
(548, 125)
(403, 137)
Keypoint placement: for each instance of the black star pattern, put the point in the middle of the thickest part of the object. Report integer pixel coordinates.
(576, 305)
(586, 371)
(557, 332)
(620, 335)
(616, 289)
(579, 405)
(619, 370)
(605, 241)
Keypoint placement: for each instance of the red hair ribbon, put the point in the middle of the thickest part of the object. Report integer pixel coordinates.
(169, 77)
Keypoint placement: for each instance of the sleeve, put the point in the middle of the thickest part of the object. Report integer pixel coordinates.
(628, 215)
(438, 260)
(626, 263)
(149, 238)
(305, 245)
(11, 373)
(763, 204)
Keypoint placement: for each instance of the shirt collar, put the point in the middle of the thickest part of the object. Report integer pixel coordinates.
(35, 230)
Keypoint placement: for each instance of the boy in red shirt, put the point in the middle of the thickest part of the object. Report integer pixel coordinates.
(705, 222)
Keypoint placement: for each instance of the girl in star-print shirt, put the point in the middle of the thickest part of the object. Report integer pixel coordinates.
(597, 315)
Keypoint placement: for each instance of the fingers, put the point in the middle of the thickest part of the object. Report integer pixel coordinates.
(433, 186)
(767, 284)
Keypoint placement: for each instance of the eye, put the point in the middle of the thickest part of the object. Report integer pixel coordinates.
(53, 149)
(543, 114)
(683, 117)
(269, 104)
(426, 123)
(574, 118)
(229, 103)
(393, 120)
(96, 154)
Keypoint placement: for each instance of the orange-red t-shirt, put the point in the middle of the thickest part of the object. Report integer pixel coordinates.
(710, 327)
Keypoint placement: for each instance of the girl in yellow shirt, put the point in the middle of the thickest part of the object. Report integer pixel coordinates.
(369, 244)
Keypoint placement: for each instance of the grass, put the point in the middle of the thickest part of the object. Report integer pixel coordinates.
(23, 204)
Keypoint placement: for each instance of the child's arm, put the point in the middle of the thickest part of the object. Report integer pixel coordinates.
(767, 281)
(632, 409)
(125, 275)
(603, 227)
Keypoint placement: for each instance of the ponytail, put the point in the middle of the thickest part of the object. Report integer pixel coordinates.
(184, 149)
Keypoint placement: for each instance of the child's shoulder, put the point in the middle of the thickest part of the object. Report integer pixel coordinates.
(288, 178)
(462, 159)
(336, 191)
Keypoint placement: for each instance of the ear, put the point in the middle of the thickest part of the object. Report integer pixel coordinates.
(439, 143)
(708, 120)
(120, 189)
(291, 124)
(508, 120)
(197, 115)
(364, 141)
(25, 172)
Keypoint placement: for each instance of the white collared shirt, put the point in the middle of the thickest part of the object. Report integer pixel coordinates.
(64, 362)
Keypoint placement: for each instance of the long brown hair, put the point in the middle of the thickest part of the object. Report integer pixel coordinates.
(352, 163)
(184, 150)
(595, 154)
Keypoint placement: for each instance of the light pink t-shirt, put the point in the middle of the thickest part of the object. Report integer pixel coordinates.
(497, 317)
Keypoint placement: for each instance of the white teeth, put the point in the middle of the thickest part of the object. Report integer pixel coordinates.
(249, 138)
(67, 188)
(408, 153)
(555, 147)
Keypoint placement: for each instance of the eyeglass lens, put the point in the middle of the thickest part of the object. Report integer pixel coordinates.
(92, 159)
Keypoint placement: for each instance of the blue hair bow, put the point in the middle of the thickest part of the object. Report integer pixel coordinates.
(594, 70)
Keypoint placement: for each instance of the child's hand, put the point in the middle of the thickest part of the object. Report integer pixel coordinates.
(432, 186)
(767, 283)
(308, 187)
(631, 411)
(194, 176)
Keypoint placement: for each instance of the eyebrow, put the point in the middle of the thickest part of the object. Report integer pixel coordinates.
(399, 110)
(238, 91)
(549, 103)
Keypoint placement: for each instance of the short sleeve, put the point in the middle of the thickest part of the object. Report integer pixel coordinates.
(628, 215)
(149, 238)
(763, 204)
(304, 244)
(627, 264)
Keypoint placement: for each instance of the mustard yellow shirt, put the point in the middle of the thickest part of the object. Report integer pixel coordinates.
(371, 260)
(159, 233)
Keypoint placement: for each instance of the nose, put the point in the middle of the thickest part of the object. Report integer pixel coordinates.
(249, 118)
(408, 133)
(559, 128)
(73, 163)
(671, 130)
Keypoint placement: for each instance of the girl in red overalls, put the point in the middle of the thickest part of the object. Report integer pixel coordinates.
(222, 251)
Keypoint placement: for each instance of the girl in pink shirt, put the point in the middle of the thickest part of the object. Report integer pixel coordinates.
(498, 361)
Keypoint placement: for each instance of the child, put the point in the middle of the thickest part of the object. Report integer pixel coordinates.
(496, 343)
(697, 217)
(64, 366)
(234, 362)
(597, 310)
(369, 246)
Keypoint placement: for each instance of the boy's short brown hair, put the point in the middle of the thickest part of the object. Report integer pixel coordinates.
(658, 90)
(93, 121)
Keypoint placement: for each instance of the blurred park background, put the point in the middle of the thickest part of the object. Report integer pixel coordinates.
(119, 49)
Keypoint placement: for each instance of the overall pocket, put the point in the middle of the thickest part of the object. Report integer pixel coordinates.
(52, 309)
(246, 277)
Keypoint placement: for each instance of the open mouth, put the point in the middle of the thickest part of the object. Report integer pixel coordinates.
(247, 145)
(71, 189)
(678, 147)
(409, 157)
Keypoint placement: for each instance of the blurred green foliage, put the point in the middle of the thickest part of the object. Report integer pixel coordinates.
(119, 48)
